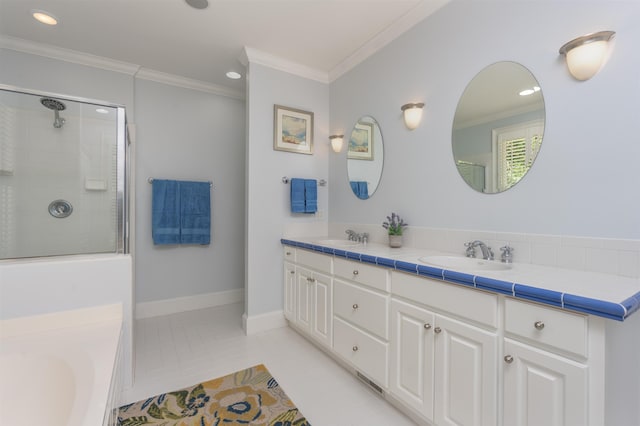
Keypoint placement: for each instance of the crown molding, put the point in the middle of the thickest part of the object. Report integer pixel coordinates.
(255, 56)
(108, 64)
(403, 24)
(67, 55)
(188, 83)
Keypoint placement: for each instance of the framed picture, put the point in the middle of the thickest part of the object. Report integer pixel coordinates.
(293, 130)
(361, 142)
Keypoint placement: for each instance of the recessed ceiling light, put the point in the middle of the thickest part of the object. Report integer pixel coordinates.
(102, 111)
(44, 17)
(234, 75)
(198, 4)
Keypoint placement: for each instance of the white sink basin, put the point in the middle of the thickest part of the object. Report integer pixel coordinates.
(338, 243)
(455, 263)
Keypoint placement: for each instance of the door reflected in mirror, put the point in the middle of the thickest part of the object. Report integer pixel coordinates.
(498, 127)
(365, 157)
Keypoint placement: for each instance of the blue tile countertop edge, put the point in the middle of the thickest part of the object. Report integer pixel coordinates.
(601, 308)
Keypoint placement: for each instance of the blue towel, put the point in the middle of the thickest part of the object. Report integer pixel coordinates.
(297, 195)
(310, 196)
(165, 212)
(195, 213)
(360, 189)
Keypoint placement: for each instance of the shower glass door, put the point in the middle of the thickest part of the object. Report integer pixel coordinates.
(62, 176)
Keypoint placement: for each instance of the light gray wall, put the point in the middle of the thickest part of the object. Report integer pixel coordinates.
(268, 208)
(189, 135)
(585, 179)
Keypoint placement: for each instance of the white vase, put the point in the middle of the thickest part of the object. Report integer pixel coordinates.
(395, 241)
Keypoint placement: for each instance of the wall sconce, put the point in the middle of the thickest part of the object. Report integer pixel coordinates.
(336, 142)
(412, 114)
(586, 54)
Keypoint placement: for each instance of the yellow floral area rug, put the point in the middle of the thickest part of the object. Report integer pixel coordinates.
(246, 397)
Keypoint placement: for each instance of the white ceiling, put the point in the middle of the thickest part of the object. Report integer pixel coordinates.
(326, 36)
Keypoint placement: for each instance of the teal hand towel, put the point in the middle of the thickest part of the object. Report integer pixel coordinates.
(195, 213)
(297, 195)
(165, 212)
(310, 196)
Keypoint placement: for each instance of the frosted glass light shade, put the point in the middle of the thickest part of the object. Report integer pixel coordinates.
(412, 114)
(336, 142)
(585, 55)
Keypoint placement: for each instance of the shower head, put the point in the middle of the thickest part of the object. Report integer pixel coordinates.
(56, 106)
(53, 104)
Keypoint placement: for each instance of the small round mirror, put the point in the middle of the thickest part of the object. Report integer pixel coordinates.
(365, 155)
(498, 127)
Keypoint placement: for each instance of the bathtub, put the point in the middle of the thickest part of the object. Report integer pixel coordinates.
(60, 369)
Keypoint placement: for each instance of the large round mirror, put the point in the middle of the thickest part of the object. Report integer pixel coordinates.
(498, 127)
(365, 155)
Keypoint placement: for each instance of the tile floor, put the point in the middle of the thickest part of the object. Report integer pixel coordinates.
(180, 350)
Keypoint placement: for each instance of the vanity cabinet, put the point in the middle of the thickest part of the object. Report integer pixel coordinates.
(546, 366)
(361, 318)
(442, 367)
(308, 293)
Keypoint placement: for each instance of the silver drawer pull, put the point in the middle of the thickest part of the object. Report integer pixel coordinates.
(355, 306)
(437, 330)
(427, 326)
(355, 272)
(508, 359)
(539, 325)
(355, 349)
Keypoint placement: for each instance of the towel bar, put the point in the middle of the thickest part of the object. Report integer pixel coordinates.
(321, 182)
(150, 180)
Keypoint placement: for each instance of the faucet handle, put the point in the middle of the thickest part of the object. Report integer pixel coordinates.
(471, 249)
(507, 255)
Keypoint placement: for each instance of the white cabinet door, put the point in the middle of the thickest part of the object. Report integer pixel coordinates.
(411, 359)
(466, 379)
(543, 389)
(321, 321)
(304, 295)
(290, 291)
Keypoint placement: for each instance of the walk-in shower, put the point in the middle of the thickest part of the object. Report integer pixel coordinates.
(62, 186)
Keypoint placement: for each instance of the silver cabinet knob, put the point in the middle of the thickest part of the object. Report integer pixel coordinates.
(437, 330)
(427, 326)
(355, 306)
(288, 253)
(355, 349)
(508, 359)
(355, 272)
(539, 325)
(292, 272)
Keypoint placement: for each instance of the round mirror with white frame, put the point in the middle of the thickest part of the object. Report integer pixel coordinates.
(365, 157)
(498, 127)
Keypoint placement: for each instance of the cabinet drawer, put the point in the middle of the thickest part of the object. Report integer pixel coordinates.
(453, 299)
(364, 352)
(289, 253)
(321, 262)
(559, 329)
(361, 307)
(362, 273)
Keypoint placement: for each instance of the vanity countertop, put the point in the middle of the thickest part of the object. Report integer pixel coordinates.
(604, 295)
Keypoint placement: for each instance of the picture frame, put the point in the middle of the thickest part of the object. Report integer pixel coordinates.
(293, 130)
(361, 142)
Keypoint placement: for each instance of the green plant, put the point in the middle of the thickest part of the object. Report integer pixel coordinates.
(394, 224)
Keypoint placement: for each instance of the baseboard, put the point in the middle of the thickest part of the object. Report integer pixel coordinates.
(188, 303)
(263, 322)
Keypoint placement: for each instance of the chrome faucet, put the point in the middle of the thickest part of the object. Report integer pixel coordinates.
(487, 253)
(354, 236)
